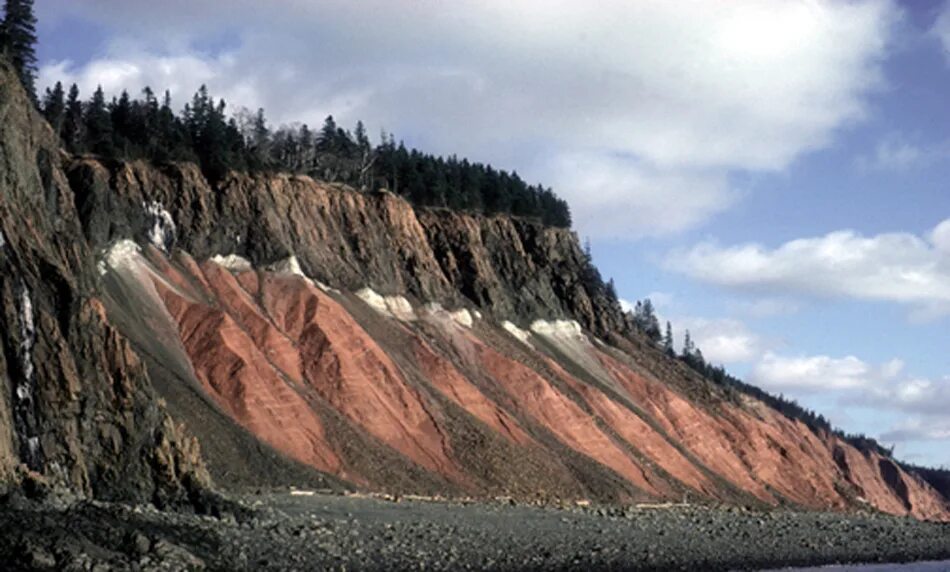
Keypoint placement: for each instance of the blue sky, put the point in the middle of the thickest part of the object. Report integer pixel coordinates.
(773, 174)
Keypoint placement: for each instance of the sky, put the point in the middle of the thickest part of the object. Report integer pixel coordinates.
(772, 174)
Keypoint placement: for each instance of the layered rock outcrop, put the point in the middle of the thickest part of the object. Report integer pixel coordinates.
(510, 268)
(444, 401)
(76, 406)
(307, 334)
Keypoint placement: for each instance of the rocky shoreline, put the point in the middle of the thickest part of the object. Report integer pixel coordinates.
(281, 531)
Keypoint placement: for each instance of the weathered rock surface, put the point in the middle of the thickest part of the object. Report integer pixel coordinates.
(77, 409)
(513, 269)
(307, 334)
(456, 405)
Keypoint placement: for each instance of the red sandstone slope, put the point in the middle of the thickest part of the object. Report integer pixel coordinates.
(466, 403)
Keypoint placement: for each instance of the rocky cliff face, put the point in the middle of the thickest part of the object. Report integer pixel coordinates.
(306, 334)
(76, 406)
(512, 269)
(418, 397)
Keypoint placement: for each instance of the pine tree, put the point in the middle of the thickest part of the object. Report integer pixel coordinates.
(688, 347)
(668, 340)
(327, 142)
(306, 142)
(18, 34)
(147, 134)
(259, 141)
(645, 318)
(366, 156)
(74, 131)
(54, 108)
(611, 290)
(120, 112)
(98, 124)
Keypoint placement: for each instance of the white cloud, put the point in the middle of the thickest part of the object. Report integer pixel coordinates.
(724, 341)
(661, 302)
(912, 395)
(940, 237)
(616, 197)
(941, 29)
(891, 405)
(894, 153)
(811, 373)
(855, 382)
(923, 405)
(622, 106)
(918, 429)
(765, 307)
(896, 267)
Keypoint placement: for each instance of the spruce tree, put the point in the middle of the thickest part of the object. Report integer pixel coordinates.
(611, 290)
(98, 123)
(327, 142)
(18, 34)
(688, 347)
(668, 340)
(54, 108)
(120, 112)
(147, 134)
(366, 157)
(73, 127)
(258, 141)
(646, 320)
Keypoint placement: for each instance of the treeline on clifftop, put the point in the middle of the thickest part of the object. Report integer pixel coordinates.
(18, 41)
(204, 132)
(643, 316)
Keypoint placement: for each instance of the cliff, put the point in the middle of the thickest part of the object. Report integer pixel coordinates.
(77, 410)
(307, 334)
(513, 269)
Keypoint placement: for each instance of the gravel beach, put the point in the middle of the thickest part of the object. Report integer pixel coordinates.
(283, 531)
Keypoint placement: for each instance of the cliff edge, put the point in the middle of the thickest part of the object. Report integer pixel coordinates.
(307, 334)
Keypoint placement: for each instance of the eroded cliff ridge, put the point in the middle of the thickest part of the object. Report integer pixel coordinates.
(307, 334)
(77, 409)
(514, 269)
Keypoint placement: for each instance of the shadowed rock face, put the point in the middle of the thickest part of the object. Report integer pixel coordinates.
(77, 409)
(307, 334)
(512, 269)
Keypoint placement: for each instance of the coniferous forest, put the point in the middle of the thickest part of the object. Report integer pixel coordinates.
(204, 132)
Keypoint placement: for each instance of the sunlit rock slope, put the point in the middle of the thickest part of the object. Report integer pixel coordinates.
(160, 332)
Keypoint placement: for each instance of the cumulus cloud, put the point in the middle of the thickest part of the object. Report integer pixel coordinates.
(911, 395)
(853, 389)
(724, 341)
(615, 196)
(923, 405)
(940, 237)
(622, 106)
(897, 267)
(855, 382)
(817, 373)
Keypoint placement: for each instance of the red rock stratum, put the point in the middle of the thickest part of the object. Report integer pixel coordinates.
(457, 398)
